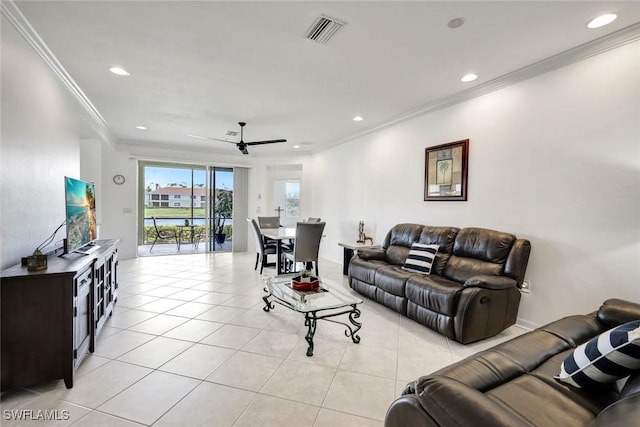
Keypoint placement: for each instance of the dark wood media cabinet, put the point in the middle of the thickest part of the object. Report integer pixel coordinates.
(51, 318)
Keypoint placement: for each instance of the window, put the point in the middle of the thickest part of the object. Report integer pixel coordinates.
(155, 197)
(292, 200)
(287, 197)
(176, 204)
(164, 204)
(155, 204)
(164, 197)
(176, 196)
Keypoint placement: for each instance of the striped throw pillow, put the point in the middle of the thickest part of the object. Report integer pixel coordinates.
(612, 355)
(420, 258)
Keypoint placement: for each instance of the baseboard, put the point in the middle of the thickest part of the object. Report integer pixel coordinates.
(526, 324)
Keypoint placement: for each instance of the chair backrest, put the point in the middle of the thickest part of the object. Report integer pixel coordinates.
(314, 219)
(257, 235)
(155, 226)
(307, 244)
(269, 221)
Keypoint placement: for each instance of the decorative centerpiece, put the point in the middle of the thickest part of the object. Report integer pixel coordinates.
(305, 282)
(37, 261)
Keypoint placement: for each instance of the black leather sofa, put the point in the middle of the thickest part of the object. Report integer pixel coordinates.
(472, 292)
(512, 384)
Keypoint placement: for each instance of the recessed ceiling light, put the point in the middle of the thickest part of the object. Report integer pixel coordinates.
(296, 146)
(358, 119)
(141, 127)
(602, 20)
(469, 77)
(455, 23)
(119, 71)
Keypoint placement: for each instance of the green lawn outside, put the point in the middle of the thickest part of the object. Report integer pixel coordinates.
(174, 212)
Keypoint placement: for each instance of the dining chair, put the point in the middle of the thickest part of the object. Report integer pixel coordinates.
(269, 221)
(164, 235)
(306, 246)
(262, 250)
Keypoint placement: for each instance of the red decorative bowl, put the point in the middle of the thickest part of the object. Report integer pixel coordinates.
(310, 285)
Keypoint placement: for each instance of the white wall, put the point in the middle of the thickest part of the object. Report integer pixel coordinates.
(554, 159)
(40, 145)
(120, 205)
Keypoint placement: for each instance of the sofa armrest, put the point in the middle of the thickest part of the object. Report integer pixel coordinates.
(614, 312)
(490, 282)
(447, 402)
(624, 412)
(371, 254)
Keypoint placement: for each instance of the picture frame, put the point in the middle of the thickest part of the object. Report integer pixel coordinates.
(446, 171)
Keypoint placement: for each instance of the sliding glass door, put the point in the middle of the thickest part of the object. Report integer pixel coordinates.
(174, 208)
(221, 209)
(185, 208)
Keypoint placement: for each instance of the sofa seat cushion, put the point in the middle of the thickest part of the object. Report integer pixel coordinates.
(594, 400)
(537, 403)
(435, 293)
(392, 279)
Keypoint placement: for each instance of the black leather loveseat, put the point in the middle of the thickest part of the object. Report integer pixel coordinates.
(472, 292)
(512, 384)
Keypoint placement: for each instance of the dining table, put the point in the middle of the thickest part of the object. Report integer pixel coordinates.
(279, 234)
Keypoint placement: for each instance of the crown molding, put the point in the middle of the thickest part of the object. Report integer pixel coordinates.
(584, 51)
(15, 17)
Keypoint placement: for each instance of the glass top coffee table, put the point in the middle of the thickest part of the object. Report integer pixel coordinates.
(325, 304)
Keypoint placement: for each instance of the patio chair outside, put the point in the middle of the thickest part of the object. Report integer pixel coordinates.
(165, 235)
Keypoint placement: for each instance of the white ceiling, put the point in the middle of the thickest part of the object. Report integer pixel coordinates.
(200, 67)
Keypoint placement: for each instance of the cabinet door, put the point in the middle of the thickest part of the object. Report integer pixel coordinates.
(82, 313)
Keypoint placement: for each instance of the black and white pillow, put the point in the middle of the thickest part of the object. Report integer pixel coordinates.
(612, 355)
(421, 258)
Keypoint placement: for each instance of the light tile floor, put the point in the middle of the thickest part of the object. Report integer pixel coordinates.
(189, 345)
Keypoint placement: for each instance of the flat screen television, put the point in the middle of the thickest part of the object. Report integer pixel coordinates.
(82, 230)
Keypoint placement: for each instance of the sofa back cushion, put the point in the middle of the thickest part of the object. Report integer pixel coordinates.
(444, 237)
(478, 251)
(399, 239)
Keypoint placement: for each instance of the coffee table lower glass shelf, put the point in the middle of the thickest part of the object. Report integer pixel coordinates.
(325, 304)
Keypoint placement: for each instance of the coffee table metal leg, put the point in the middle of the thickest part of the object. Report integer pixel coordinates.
(310, 322)
(353, 315)
(268, 305)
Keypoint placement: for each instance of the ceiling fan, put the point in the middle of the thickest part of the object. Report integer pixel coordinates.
(242, 146)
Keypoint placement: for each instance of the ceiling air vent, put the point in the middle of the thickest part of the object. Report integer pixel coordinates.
(323, 29)
(232, 133)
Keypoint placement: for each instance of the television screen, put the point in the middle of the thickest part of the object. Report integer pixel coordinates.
(80, 213)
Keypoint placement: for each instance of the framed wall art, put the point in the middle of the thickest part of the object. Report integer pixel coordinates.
(446, 171)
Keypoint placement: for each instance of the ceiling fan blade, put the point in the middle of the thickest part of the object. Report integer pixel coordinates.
(211, 139)
(271, 141)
